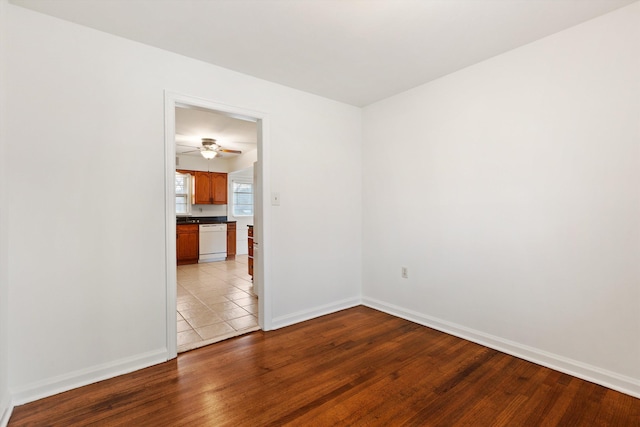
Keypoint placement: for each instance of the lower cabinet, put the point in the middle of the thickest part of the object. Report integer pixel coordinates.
(187, 243)
(231, 240)
(187, 239)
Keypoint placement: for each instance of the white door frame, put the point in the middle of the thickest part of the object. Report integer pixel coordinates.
(171, 100)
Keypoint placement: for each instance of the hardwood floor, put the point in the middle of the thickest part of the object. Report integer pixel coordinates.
(355, 367)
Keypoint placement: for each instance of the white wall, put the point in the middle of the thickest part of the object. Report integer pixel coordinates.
(201, 164)
(87, 287)
(5, 398)
(511, 191)
(243, 161)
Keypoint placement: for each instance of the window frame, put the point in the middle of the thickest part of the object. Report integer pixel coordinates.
(233, 198)
(186, 195)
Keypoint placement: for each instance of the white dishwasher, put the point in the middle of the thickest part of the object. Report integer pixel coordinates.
(213, 242)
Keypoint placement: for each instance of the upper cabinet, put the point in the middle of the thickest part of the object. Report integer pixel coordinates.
(210, 188)
(219, 188)
(202, 193)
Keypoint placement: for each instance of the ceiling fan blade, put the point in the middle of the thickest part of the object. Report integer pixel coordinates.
(192, 151)
(224, 150)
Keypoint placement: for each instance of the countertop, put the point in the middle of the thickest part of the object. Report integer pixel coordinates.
(203, 220)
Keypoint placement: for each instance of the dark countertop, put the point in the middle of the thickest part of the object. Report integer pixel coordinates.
(203, 220)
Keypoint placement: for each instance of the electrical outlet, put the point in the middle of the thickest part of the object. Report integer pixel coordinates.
(405, 273)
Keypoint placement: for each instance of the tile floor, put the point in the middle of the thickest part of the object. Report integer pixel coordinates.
(215, 302)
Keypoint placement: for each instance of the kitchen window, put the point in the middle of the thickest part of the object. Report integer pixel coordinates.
(183, 194)
(242, 198)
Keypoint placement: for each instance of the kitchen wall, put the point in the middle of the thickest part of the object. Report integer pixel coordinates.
(243, 161)
(95, 306)
(515, 194)
(196, 163)
(5, 397)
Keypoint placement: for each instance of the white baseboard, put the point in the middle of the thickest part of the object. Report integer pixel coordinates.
(6, 408)
(49, 387)
(609, 379)
(301, 316)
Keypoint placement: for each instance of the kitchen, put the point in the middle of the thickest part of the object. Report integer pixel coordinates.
(215, 154)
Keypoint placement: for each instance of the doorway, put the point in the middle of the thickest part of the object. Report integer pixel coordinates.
(224, 285)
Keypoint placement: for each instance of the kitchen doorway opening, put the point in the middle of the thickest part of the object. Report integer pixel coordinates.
(211, 301)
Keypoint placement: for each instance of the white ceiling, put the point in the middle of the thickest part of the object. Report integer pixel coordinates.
(355, 51)
(194, 124)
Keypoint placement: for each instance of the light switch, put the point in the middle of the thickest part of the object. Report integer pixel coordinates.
(275, 199)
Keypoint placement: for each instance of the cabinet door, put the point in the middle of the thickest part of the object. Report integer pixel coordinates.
(187, 244)
(231, 241)
(203, 188)
(219, 188)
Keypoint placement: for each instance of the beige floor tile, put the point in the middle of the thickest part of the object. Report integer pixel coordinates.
(204, 320)
(205, 293)
(216, 273)
(213, 292)
(183, 325)
(193, 276)
(201, 311)
(238, 294)
(233, 313)
(245, 301)
(237, 280)
(212, 331)
(213, 299)
(222, 306)
(204, 286)
(188, 337)
(191, 305)
(243, 322)
(246, 287)
(253, 308)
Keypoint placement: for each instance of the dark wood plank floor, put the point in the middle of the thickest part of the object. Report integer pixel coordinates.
(357, 367)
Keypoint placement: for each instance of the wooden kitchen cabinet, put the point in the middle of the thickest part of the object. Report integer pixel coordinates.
(231, 240)
(187, 240)
(202, 193)
(219, 188)
(210, 188)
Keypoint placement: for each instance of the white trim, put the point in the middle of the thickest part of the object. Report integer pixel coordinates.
(171, 284)
(173, 99)
(6, 409)
(6, 406)
(49, 387)
(594, 374)
(312, 313)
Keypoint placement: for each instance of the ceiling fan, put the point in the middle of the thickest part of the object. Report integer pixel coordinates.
(210, 149)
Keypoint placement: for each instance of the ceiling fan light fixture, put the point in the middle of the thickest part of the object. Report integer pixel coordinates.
(208, 154)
